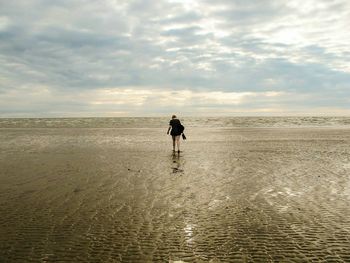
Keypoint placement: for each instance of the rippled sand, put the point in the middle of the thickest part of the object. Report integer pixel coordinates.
(120, 195)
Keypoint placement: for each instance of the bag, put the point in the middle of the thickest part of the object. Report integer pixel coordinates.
(183, 137)
(182, 128)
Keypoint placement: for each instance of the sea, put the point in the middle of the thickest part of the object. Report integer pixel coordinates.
(158, 122)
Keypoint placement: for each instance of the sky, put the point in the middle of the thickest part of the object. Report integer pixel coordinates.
(83, 58)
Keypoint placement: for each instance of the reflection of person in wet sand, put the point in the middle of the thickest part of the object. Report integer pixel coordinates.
(176, 130)
(176, 163)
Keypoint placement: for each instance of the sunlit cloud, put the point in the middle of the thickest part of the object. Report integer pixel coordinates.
(128, 101)
(178, 98)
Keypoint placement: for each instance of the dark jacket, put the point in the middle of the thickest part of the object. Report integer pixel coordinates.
(176, 127)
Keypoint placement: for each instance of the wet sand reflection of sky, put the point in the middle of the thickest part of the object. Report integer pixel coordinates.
(189, 233)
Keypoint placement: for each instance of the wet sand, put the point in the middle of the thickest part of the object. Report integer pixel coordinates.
(120, 195)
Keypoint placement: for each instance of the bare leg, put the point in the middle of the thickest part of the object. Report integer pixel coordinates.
(173, 143)
(178, 142)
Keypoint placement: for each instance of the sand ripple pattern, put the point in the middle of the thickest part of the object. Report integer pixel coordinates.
(120, 195)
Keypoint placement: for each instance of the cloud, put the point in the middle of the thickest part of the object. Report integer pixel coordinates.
(155, 102)
(51, 50)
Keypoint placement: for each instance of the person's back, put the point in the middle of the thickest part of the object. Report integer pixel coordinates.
(176, 130)
(176, 127)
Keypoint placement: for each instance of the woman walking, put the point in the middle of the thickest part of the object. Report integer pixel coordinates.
(176, 130)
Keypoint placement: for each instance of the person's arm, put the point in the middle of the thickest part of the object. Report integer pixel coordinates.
(168, 130)
(170, 126)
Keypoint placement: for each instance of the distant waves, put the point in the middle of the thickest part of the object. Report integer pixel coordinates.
(159, 122)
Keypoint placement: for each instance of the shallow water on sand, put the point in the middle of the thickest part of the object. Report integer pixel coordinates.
(121, 195)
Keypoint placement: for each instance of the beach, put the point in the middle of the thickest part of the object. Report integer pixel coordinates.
(119, 194)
